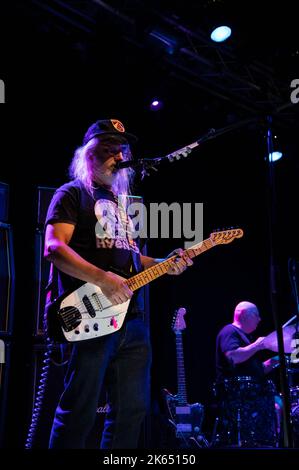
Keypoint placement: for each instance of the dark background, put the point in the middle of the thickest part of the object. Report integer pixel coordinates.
(66, 64)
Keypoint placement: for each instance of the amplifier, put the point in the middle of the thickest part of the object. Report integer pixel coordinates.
(5, 353)
(7, 278)
(4, 197)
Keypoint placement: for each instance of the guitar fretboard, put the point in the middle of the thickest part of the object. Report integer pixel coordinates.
(152, 273)
(182, 393)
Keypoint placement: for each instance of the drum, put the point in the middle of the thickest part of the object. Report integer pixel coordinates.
(295, 423)
(294, 395)
(247, 412)
(294, 399)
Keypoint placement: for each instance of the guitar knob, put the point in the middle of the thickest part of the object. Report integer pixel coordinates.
(86, 329)
(96, 327)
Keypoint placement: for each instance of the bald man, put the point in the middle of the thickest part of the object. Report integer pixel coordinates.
(249, 416)
(236, 350)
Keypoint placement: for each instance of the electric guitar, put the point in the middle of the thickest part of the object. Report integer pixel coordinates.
(86, 313)
(187, 418)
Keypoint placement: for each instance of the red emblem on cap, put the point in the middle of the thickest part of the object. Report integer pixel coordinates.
(118, 125)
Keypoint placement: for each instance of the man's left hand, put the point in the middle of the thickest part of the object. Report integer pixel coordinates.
(180, 263)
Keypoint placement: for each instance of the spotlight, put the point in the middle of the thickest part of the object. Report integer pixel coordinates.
(277, 151)
(274, 156)
(221, 33)
(156, 105)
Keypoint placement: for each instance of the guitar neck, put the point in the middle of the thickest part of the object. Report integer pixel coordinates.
(182, 393)
(159, 269)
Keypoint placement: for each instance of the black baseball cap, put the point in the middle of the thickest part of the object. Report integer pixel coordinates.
(108, 127)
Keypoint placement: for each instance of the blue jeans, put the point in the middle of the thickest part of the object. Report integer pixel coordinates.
(123, 359)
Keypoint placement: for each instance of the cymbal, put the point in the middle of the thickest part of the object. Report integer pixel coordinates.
(271, 343)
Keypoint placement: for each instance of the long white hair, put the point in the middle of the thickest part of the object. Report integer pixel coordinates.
(82, 169)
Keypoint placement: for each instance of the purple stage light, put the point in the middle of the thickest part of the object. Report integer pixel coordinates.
(156, 105)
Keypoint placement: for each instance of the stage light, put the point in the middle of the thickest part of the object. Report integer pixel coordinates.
(221, 33)
(274, 156)
(276, 153)
(156, 105)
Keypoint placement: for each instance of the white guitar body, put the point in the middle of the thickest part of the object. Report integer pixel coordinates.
(86, 313)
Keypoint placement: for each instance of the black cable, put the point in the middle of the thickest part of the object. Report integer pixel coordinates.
(42, 388)
(40, 396)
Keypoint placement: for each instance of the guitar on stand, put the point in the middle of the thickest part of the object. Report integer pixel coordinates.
(186, 418)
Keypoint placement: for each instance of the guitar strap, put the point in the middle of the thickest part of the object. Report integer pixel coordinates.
(52, 286)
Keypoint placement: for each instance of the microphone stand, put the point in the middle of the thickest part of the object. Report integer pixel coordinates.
(145, 164)
(287, 429)
(295, 291)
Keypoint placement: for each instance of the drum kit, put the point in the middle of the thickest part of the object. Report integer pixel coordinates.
(247, 413)
(250, 412)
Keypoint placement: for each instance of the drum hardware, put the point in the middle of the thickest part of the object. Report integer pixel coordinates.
(239, 427)
(214, 432)
(247, 414)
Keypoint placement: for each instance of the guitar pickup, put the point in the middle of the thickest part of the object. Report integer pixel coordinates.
(91, 311)
(183, 410)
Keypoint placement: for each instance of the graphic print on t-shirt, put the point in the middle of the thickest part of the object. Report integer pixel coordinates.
(113, 228)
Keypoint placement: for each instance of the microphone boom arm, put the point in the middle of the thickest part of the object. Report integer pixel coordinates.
(145, 164)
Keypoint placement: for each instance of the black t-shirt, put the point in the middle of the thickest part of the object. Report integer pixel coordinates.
(102, 234)
(229, 339)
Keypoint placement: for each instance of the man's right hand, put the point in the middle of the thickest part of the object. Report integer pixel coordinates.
(115, 288)
(259, 344)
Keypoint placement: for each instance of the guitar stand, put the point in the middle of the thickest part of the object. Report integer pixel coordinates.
(239, 422)
(200, 441)
(214, 433)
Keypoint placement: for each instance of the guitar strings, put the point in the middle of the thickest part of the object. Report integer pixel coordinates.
(205, 244)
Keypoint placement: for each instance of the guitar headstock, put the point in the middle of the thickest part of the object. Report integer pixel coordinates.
(178, 322)
(226, 236)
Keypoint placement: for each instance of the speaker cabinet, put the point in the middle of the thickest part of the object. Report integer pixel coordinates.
(41, 277)
(44, 196)
(7, 278)
(41, 266)
(4, 198)
(5, 353)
